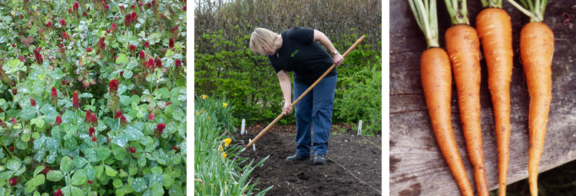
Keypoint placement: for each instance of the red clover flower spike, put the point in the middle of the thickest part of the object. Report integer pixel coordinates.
(88, 117)
(128, 20)
(63, 22)
(75, 6)
(114, 85)
(91, 131)
(118, 114)
(146, 44)
(49, 24)
(150, 63)
(94, 119)
(38, 56)
(32, 102)
(58, 120)
(132, 48)
(13, 181)
(178, 63)
(75, 102)
(158, 62)
(160, 127)
(46, 170)
(54, 93)
(171, 43)
(142, 55)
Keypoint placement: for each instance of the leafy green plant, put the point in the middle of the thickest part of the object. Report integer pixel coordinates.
(218, 169)
(92, 98)
(361, 99)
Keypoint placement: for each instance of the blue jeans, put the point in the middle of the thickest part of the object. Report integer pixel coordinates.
(314, 111)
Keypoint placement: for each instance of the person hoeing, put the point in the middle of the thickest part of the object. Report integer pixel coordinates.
(296, 50)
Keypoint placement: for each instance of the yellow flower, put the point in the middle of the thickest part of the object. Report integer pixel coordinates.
(220, 147)
(204, 96)
(203, 110)
(223, 155)
(224, 104)
(197, 113)
(208, 117)
(227, 141)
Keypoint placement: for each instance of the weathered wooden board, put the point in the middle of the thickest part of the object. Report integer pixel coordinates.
(417, 166)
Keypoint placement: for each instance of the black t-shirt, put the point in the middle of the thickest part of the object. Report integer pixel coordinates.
(301, 55)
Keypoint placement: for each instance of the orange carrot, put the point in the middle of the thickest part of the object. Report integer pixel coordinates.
(437, 84)
(495, 32)
(464, 50)
(536, 51)
(463, 47)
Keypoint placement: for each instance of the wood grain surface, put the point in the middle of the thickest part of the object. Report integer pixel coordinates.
(417, 166)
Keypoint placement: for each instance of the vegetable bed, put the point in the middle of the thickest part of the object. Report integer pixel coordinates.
(353, 164)
(417, 166)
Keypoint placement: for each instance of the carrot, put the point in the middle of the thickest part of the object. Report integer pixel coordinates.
(536, 51)
(463, 49)
(495, 31)
(437, 84)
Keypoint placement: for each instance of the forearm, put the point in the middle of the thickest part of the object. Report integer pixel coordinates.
(286, 90)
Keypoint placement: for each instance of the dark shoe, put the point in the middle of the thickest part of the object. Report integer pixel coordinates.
(297, 157)
(319, 159)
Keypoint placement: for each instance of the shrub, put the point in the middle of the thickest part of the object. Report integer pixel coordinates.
(362, 99)
(80, 112)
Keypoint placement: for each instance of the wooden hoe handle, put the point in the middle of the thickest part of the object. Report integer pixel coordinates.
(303, 94)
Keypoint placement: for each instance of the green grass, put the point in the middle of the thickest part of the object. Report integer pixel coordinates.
(214, 173)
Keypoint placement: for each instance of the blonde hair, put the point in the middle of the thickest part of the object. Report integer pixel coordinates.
(262, 37)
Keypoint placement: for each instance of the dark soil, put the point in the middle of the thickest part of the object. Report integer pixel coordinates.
(353, 164)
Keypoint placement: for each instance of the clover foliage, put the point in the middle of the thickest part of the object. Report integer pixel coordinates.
(92, 97)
